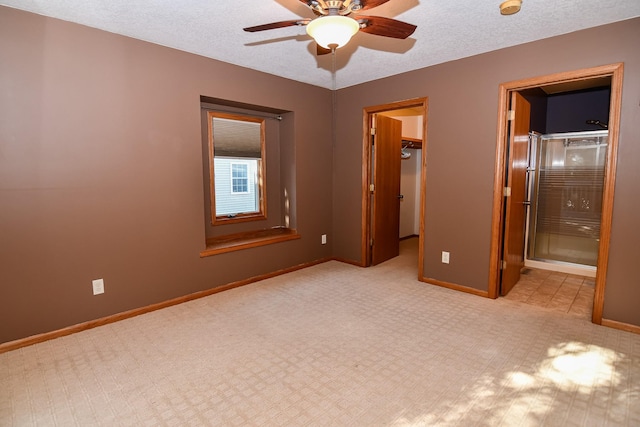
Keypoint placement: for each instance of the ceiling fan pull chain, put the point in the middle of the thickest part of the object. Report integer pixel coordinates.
(333, 97)
(333, 68)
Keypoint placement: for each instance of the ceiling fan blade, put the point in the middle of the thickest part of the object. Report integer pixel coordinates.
(322, 50)
(370, 4)
(275, 25)
(386, 27)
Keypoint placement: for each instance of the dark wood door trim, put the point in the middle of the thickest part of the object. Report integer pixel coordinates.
(367, 114)
(615, 72)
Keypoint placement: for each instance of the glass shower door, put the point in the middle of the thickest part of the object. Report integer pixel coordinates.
(567, 198)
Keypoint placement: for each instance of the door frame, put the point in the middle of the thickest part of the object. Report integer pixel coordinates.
(615, 72)
(367, 118)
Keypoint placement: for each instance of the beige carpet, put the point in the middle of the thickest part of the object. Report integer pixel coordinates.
(331, 345)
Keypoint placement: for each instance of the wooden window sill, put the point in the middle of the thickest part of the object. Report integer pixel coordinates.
(246, 240)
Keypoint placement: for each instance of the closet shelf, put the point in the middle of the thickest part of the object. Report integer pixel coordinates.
(411, 142)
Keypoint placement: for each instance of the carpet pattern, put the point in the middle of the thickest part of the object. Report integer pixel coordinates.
(331, 345)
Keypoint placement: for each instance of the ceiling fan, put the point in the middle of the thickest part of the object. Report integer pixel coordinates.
(333, 27)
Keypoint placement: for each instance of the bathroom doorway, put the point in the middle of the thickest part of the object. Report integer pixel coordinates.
(516, 168)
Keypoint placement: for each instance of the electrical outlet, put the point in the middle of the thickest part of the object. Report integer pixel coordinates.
(445, 257)
(98, 286)
(324, 239)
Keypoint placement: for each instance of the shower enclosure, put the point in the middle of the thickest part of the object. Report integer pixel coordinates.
(565, 188)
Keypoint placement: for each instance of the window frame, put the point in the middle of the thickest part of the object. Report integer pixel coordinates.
(261, 213)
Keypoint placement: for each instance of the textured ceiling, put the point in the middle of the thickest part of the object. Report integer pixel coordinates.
(447, 30)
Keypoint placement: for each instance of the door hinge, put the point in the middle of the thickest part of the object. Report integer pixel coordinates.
(373, 131)
(503, 265)
(506, 191)
(371, 187)
(371, 243)
(511, 115)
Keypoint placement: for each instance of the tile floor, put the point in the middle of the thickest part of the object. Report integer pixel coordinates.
(557, 291)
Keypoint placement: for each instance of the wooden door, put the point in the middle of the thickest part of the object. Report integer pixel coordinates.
(385, 230)
(516, 191)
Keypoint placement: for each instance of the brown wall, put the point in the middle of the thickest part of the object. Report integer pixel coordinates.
(101, 173)
(101, 167)
(461, 140)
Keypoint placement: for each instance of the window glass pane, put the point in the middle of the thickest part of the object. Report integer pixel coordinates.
(236, 189)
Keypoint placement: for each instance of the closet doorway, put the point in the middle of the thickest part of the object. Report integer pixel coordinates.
(530, 166)
(393, 159)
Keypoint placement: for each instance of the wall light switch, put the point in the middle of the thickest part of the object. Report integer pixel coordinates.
(98, 286)
(324, 239)
(445, 257)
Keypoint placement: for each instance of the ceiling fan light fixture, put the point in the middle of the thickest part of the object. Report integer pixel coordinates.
(332, 30)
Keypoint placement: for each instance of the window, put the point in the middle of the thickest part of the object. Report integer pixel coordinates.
(239, 178)
(236, 149)
(239, 185)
